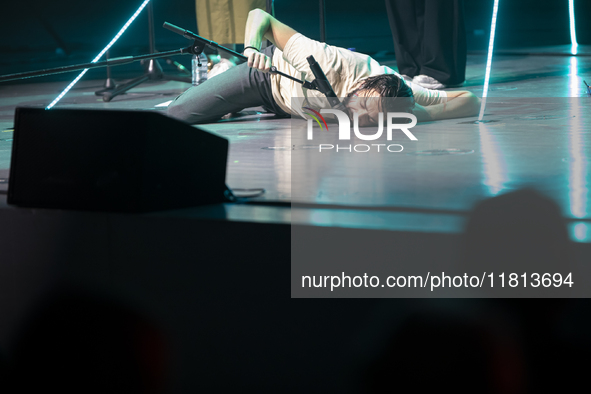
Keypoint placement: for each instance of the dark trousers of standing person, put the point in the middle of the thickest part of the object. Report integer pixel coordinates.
(429, 38)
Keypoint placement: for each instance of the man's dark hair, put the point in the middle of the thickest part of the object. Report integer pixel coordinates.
(389, 86)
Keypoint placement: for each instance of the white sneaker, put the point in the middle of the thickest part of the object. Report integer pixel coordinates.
(406, 78)
(428, 82)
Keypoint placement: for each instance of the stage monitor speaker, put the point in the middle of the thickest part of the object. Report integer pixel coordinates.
(115, 161)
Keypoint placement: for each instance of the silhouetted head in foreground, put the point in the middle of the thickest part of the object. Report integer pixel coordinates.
(77, 342)
(442, 351)
(521, 229)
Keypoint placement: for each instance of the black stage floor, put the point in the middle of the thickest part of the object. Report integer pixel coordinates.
(539, 136)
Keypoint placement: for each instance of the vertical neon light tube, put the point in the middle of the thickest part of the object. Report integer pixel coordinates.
(491, 46)
(573, 30)
(579, 175)
(494, 166)
(96, 59)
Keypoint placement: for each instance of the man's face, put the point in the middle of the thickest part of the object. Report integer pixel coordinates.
(366, 104)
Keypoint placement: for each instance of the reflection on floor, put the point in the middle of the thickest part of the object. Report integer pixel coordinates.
(538, 110)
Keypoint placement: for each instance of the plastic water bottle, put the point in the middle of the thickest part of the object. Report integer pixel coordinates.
(199, 73)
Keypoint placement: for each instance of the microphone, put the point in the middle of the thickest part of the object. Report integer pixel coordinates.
(322, 83)
(202, 41)
(178, 30)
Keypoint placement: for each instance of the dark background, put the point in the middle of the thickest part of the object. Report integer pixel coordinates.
(310, 334)
(85, 27)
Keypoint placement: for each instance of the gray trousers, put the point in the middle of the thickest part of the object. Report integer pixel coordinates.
(231, 91)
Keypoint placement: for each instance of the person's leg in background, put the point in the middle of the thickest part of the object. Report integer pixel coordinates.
(224, 21)
(444, 42)
(406, 23)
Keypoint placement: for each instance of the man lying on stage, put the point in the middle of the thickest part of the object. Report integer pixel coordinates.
(353, 76)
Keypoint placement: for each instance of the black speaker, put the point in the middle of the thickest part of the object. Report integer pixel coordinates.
(121, 161)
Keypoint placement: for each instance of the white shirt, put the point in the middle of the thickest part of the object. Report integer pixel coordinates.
(344, 69)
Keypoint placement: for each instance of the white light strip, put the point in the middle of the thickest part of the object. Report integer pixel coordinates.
(491, 45)
(575, 84)
(581, 232)
(494, 166)
(573, 31)
(96, 59)
(578, 160)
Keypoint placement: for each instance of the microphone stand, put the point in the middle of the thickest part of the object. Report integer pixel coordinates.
(321, 84)
(200, 43)
(110, 62)
(152, 69)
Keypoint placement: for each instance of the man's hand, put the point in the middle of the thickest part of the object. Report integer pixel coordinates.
(257, 60)
(261, 25)
(460, 104)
